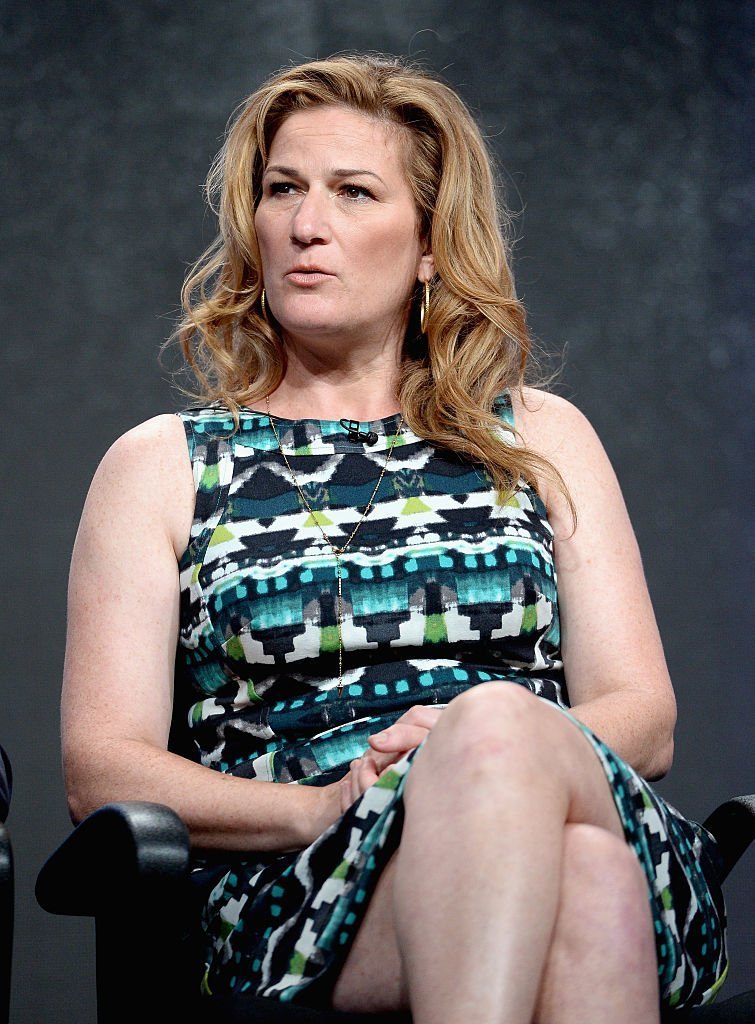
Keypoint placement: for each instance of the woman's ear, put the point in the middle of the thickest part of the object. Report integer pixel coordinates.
(426, 270)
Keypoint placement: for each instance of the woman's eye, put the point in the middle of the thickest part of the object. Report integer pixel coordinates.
(356, 192)
(282, 188)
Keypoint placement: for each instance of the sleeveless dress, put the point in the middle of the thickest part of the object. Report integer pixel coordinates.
(444, 587)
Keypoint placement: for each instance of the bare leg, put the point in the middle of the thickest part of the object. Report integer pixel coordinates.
(601, 964)
(467, 909)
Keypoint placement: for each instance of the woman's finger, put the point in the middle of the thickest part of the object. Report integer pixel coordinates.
(345, 792)
(366, 773)
(422, 714)
(379, 760)
(354, 779)
(417, 717)
(398, 737)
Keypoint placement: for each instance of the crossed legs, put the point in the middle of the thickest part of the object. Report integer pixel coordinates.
(513, 896)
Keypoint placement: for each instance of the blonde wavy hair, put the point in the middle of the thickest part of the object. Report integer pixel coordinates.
(475, 345)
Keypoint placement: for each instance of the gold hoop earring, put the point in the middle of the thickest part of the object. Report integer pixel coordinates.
(424, 308)
(263, 306)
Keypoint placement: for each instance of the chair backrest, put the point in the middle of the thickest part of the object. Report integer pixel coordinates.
(7, 901)
(733, 825)
(6, 784)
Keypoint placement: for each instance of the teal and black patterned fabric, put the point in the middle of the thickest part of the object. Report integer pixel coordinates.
(445, 586)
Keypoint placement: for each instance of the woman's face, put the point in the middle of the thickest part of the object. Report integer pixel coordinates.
(338, 230)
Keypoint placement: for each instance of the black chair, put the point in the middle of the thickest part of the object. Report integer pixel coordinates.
(127, 866)
(6, 888)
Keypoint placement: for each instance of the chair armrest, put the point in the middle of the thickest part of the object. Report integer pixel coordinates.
(119, 852)
(127, 866)
(7, 903)
(6, 860)
(733, 825)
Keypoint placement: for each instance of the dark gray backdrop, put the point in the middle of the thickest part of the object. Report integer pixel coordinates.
(622, 131)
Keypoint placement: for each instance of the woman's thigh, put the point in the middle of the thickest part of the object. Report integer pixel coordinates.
(498, 729)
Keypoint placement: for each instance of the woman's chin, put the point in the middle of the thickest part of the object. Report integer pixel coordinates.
(320, 328)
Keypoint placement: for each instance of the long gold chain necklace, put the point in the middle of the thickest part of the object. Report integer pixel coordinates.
(338, 552)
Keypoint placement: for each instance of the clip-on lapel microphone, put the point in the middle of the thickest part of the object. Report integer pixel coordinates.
(355, 434)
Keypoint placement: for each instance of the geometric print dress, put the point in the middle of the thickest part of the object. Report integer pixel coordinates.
(444, 587)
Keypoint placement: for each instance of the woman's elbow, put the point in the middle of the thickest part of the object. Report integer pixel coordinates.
(663, 752)
(663, 758)
(78, 806)
(86, 789)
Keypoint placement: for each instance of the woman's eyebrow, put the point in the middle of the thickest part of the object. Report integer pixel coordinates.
(337, 172)
(289, 172)
(350, 172)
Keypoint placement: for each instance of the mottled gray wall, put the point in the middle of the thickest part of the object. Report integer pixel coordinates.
(622, 130)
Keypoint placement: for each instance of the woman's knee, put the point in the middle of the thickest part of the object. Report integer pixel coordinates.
(485, 740)
(498, 720)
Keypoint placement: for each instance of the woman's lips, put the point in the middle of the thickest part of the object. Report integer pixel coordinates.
(308, 277)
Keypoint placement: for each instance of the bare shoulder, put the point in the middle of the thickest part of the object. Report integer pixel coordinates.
(157, 435)
(548, 422)
(152, 455)
(556, 429)
(146, 474)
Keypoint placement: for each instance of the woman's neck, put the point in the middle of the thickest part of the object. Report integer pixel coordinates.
(369, 394)
(354, 379)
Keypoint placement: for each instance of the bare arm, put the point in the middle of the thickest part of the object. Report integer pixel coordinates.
(615, 668)
(118, 677)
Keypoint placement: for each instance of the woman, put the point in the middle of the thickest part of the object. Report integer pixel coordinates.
(355, 540)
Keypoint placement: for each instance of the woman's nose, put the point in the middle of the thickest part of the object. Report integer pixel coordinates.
(311, 220)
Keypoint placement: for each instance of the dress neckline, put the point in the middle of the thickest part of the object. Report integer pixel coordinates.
(317, 434)
(327, 425)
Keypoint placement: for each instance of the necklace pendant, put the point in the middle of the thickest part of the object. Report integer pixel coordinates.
(340, 551)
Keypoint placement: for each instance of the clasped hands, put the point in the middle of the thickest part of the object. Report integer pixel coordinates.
(386, 748)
